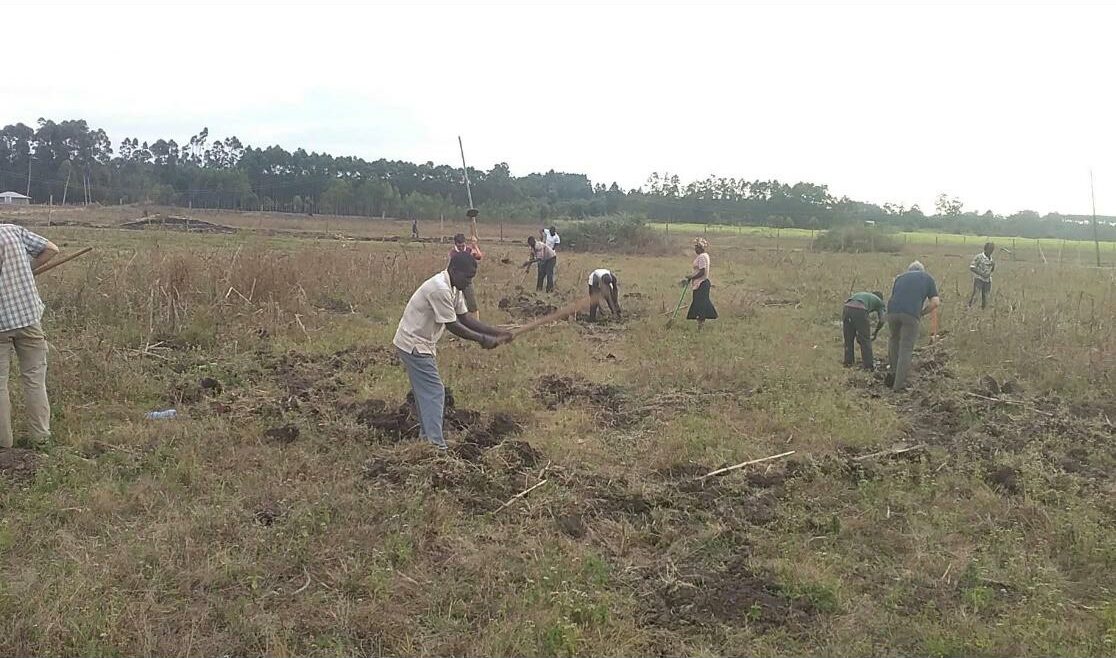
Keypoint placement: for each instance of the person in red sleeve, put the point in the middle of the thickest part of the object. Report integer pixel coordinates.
(461, 245)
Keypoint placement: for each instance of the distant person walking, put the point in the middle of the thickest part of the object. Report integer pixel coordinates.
(437, 305)
(21, 312)
(463, 246)
(552, 238)
(414, 229)
(908, 303)
(982, 268)
(701, 307)
(547, 259)
(603, 283)
(854, 319)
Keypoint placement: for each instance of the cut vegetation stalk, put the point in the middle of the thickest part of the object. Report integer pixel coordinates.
(726, 469)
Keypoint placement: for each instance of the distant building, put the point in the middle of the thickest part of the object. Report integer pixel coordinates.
(14, 199)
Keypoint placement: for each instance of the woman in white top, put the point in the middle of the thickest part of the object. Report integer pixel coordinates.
(603, 282)
(701, 308)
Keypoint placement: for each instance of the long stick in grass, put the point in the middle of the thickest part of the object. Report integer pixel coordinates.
(747, 463)
(61, 261)
(677, 306)
(561, 314)
(520, 495)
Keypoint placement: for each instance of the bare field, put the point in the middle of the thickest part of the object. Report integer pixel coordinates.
(288, 510)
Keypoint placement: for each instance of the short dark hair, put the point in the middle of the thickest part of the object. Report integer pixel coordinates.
(877, 293)
(531, 240)
(459, 237)
(464, 263)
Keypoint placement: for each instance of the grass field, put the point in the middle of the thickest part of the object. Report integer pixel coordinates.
(280, 513)
(1082, 251)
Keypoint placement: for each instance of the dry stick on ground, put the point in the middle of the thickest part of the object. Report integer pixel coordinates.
(890, 452)
(747, 463)
(1012, 402)
(521, 494)
(302, 589)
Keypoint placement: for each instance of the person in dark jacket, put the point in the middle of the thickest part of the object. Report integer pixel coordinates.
(913, 295)
(854, 320)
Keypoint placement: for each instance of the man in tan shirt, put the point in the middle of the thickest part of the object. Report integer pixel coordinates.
(437, 305)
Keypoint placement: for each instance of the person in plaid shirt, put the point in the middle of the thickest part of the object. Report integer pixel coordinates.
(982, 268)
(21, 311)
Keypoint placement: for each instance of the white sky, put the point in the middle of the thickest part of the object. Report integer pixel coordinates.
(1006, 107)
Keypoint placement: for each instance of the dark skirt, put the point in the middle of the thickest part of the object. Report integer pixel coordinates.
(701, 308)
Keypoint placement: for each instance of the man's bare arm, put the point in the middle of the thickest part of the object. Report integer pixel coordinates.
(479, 327)
(935, 302)
(461, 331)
(44, 257)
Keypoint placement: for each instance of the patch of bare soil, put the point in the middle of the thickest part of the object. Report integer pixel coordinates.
(525, 306)
(269, 513)
(480, 479)
(18, 465)
(734, 594)
(1004, 479)
(987, 418)
(401, 422)
(282, 434)
(616, 407)
(613, 404)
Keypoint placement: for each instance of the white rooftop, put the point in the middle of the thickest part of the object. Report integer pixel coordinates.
(13, 195)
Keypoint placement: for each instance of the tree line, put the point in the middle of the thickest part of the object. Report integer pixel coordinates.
(71, 162)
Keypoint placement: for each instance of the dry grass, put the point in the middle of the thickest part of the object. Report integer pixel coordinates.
(205, 535)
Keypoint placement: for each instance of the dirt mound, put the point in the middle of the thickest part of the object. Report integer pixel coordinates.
(18, 465)
(177, 223)
(524, 306)
(402, 423)
(282, 434)
(1005, 479)
(571, 524)
(735, 594)
(611, 401)
(269, 513)
(619, 408)
(990, 418)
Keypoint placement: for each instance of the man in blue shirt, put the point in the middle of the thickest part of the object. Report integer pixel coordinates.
(913, 295)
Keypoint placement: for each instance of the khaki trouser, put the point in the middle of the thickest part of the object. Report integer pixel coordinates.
(31, 351)
(901, 339)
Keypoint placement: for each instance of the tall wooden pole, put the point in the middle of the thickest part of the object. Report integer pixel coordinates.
(1093, 197)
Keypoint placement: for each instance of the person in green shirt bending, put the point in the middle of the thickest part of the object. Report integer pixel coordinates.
(855, 322)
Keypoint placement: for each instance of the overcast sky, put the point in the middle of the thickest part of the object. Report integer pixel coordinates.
(1006, 107)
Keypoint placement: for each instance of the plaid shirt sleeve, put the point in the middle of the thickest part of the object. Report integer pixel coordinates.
(34, 243)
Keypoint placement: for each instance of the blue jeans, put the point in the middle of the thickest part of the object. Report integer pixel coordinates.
(430, 393)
